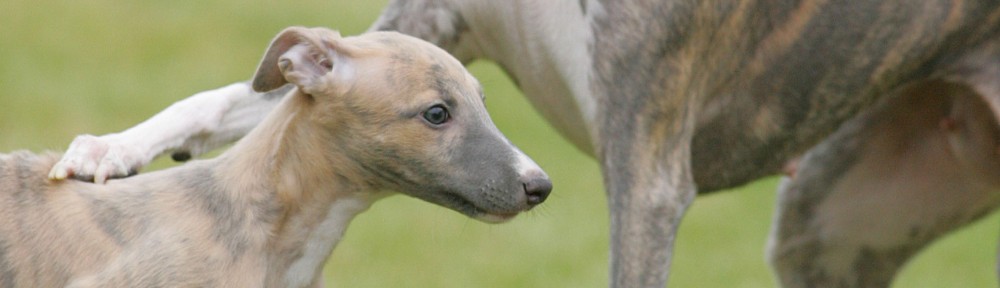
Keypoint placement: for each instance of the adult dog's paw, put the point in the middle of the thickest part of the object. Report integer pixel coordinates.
(97, 159)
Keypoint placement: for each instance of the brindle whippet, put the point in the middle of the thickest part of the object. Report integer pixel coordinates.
(679, 97)
(364, 115)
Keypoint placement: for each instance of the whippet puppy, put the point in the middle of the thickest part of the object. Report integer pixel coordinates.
(675, 98)
(364, 115)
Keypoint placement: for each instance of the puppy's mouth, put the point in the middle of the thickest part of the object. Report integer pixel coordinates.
(464, 206)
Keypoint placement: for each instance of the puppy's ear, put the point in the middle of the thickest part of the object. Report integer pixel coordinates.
(300, 56)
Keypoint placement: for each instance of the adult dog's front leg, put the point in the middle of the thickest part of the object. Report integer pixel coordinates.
(190, 127)
(648, 195)
(649, 186)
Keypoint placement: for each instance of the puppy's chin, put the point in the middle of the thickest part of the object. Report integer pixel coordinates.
(495, 218)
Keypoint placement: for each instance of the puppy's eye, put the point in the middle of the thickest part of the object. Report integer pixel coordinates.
(437, 115)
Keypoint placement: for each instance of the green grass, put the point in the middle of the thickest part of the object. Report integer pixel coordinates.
(99, 66)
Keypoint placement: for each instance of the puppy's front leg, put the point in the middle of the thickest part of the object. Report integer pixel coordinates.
(190, 127)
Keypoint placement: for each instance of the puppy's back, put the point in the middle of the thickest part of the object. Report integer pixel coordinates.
(34, 231)
(24, 166)
(23, 180)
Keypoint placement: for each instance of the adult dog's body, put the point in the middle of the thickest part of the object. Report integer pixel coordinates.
(364, 118)
(680, 97)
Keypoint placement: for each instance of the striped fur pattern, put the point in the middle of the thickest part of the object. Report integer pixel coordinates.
(680, 97)
(269, 211)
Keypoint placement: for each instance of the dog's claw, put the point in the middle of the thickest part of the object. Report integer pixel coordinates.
(59, 172)
(97, 159)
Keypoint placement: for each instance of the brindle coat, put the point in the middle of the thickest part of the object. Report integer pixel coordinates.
(685, 96)
(269, 211)
(679, 97)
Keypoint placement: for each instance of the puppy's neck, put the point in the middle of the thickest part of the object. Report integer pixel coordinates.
(292, 159)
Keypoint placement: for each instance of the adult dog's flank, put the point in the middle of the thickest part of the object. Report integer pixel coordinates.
(676, 97)
(368, 114)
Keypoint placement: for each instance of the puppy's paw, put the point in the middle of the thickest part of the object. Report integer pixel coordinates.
(97, 159)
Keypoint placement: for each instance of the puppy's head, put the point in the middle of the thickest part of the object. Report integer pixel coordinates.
(407, 117)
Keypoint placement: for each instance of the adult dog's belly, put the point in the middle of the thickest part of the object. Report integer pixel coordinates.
(751, 134)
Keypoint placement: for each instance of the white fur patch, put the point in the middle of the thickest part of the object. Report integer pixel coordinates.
(322, 240)
(559, 38)
(526, 166)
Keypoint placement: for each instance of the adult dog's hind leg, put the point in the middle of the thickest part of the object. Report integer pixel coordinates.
(917, 166)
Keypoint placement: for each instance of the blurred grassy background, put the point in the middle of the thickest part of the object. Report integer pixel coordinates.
(99, 66)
